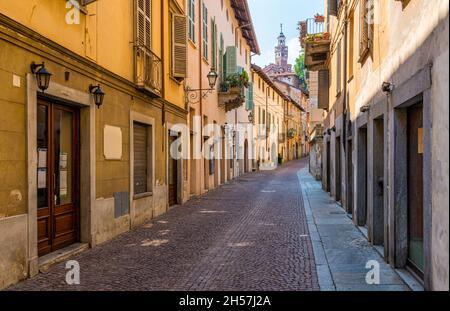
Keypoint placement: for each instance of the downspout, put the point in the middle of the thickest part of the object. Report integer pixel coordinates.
(200, 51)
(346, 108)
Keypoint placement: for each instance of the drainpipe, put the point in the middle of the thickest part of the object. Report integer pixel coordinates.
(346, 107)
(200, 50)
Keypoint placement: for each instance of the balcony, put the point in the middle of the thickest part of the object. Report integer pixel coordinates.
(231, 97)
(316, 42)
(148, 71)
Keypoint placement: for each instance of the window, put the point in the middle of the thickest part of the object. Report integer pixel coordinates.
(142, 163)
(205, 32)
(351, 45)
(339, 69)
(367, 27)
(192, 20)
(214, 43)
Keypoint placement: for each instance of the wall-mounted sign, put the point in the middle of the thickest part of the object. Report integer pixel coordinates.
(112, 142)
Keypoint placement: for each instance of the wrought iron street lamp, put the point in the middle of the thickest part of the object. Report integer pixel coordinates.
(193, 96)
(42, 75)
(98, 94)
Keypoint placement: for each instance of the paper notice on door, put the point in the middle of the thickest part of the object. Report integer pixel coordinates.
(63, 180)
(42, 178)
(42, 158)
(63, 160)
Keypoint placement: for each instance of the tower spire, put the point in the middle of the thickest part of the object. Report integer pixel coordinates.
(281, 27)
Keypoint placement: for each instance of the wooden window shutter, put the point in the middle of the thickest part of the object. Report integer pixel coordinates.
(179, 46)
(140, 158)
(366, 28)
(333, 7)
(231, 61)
(323, 89)
(143, 20)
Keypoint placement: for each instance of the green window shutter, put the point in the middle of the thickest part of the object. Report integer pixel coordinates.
(221, 56)
(250, 103)
(231, 61)
(224, 68)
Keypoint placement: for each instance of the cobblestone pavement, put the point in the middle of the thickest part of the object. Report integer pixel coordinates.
(250, 234)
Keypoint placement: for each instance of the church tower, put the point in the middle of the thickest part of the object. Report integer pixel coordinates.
(282, 51)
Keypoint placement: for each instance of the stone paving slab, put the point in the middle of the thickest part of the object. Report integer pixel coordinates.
(248, 235)
(340, 249)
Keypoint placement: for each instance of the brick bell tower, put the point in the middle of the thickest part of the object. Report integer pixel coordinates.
(282, 51)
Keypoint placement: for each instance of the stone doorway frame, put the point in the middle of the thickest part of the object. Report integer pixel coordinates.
(84, 101)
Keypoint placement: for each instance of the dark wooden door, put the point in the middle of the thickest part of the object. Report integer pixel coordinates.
(415, 189)
(328, 187)
(173, 175)
(58, 176)
(338, 169)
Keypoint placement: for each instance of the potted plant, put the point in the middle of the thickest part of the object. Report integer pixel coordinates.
(245, 78)
(319, 18)
(234, 82)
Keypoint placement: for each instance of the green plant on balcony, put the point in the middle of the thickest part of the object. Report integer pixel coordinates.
(317, 37)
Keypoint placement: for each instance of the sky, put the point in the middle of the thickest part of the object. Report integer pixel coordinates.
(269, 14)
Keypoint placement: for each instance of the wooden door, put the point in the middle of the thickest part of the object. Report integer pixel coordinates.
(58, 176)
(415, 190)
(173, 175)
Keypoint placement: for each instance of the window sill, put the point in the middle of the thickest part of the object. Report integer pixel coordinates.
(142, 195)
(205, 60)
(192, 43)
(364, 55)
(350, 79)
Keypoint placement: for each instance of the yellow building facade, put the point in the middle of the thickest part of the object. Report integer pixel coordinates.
(74, 174)
(221, 39)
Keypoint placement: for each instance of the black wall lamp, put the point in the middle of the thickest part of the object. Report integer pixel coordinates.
(193, 94)
(387, 87)
(98, 94)
(251, 117)
(42, 75)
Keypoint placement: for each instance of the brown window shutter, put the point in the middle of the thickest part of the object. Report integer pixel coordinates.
(179, 46)
(140, 158)
(323, 89)
(333, 7)
(144, 24)
(365, 27)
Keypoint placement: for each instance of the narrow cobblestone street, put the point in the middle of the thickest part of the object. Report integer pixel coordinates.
(250, 234)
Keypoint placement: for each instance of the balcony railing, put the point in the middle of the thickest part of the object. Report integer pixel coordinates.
(148, 71)
(231, 98)
(316, 41)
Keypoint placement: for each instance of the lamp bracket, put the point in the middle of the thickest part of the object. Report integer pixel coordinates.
(35, 67)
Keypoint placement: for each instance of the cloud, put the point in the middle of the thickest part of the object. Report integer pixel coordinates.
(294, 50)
